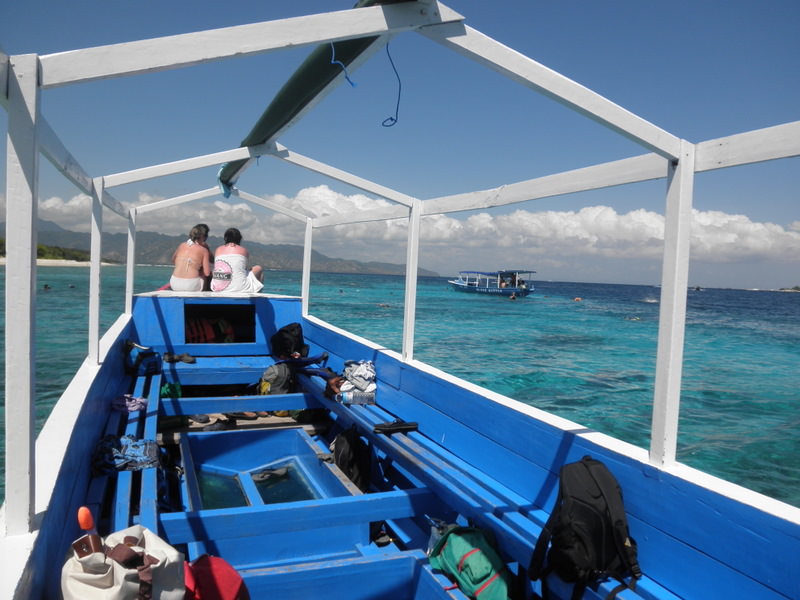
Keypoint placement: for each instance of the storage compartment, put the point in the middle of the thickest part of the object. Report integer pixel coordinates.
(219, 323)
(256, 467)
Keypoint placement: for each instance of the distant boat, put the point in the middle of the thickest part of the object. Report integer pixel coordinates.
(509, 282)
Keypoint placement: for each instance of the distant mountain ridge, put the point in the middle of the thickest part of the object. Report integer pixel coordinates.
(156, 249)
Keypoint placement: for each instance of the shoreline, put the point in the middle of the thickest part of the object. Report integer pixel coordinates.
(60, 262)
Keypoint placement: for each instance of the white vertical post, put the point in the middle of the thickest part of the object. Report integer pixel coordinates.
(130, 263)
(412, 259)
(94, 268)
(22, 173)
(305, 286)
(672, 318)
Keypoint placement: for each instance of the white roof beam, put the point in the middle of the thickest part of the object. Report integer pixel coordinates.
(528, 72)
(271, 205)
(51, 147)
(781, 141)
(202, 194)
(378, 214)
(620, 172)
(183, 50)
(280, 151)
(181, 166)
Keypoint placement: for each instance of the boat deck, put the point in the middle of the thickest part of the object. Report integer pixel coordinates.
(333, 543)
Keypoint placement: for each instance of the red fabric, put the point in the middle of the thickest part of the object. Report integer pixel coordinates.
(212, 578)
(199, 331)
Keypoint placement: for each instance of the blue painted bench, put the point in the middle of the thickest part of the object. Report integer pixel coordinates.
(397, 576)
(133, 495)
(471, 492)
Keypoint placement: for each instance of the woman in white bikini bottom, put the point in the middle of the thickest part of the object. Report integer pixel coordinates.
(179, 284)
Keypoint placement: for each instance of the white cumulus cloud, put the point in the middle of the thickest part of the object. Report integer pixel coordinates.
(477, 240)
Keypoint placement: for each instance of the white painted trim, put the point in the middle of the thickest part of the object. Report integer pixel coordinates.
(287, 155)
(51, 147)
(781, 141)
(181, 166)
(176, 200)
(188, 49)
(94, 268)
(510, 63)
(412, 262)
(620, 172)
(672, 313)
(270, 205)
(305, 285)
(629, 170)
(22, 191)
(379, 214)
(130, 262)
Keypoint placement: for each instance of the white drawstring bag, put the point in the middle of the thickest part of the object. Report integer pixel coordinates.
(134, 564)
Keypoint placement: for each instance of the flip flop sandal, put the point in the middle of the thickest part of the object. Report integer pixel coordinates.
(247, 416)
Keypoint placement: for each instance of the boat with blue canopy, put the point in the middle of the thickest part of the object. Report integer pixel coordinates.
(508, 282)
(267, 483)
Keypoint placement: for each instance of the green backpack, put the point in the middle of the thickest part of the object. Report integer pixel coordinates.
(467, 557)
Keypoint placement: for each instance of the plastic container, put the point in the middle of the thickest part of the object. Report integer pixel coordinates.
(356, 397)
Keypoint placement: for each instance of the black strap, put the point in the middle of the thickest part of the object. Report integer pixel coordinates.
(621, 586)
(540, 550)
(577, 591)
(397, 426)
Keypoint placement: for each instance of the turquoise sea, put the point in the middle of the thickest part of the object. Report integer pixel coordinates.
(591, 361)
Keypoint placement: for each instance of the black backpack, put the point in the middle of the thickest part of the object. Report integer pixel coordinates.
(352, 455)
(288, 340)
(587, 531)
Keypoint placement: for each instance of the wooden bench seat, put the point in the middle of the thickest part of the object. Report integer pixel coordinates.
(399, 576)
(472, 493)
(133, 495)
(221, 370)
(223, 404)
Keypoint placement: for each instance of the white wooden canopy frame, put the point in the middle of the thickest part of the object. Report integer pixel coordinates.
(668, 157)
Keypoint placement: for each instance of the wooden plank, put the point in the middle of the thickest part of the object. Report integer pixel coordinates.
(170, 52)
(672, 310)
(189, 483)
(22, 191)
(362, 578)
(781, 141)
(148, 502)
(224, 404)
(251, 521)
(275, 206)
(470, 500)
(181, 166)
(621, 172)
(287, 155)
(121, 515)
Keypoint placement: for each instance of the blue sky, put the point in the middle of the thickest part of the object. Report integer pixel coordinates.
(700, 70)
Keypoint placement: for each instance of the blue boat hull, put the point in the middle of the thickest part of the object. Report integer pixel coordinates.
(475, 456)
